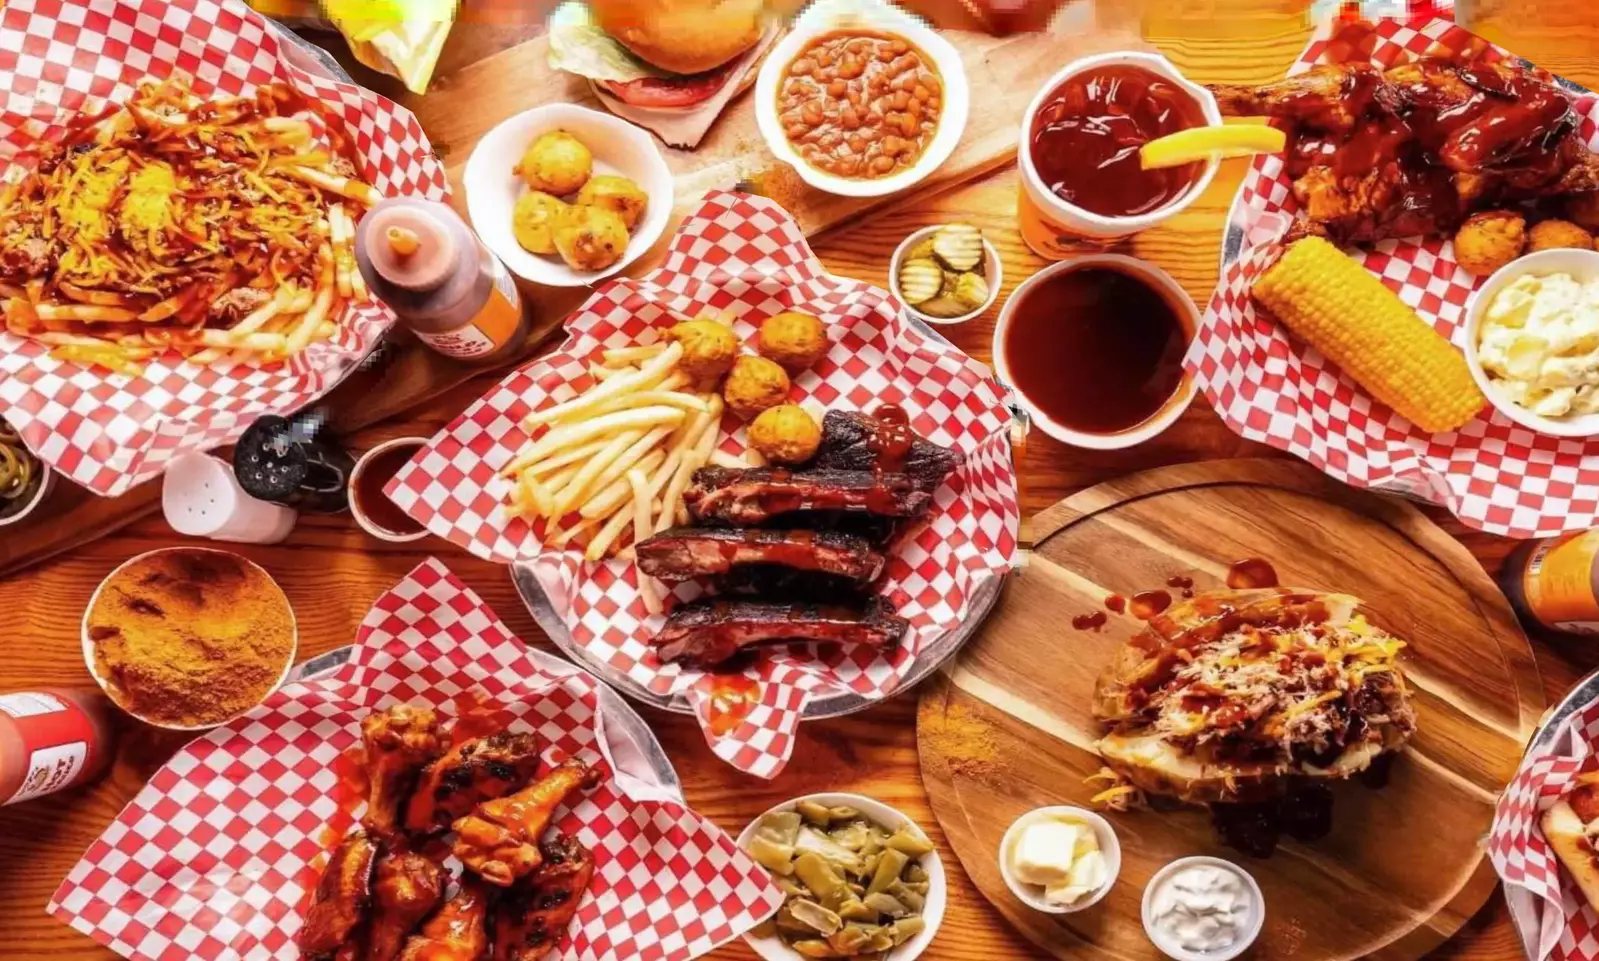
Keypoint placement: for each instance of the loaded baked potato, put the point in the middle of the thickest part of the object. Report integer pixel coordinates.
(1228, 696)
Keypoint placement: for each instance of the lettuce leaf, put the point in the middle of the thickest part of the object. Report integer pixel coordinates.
(578, 45)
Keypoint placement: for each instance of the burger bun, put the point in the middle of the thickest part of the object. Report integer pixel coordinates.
(683, 36)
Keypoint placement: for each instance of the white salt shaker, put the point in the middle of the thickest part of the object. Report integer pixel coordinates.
(201, 498)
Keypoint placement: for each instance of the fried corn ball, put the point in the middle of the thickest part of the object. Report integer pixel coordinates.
(753, 385)
(792, 339)
(1557, 233)
(709, 348)
(616, 194)
(590, 238)
(1489, 240)
(1583, 210)
(534, 218)
(786, 434)
(556, 163)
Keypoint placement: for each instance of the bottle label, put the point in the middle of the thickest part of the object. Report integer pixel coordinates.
(493, 326)
(30, 704)
(1558, 582)
(55, 737)
(50, 769)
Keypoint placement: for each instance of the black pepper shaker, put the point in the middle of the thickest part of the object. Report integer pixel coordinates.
(294, 463)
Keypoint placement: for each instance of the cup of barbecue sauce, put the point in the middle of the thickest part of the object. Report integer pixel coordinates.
(1082, 183)
(1094, 348)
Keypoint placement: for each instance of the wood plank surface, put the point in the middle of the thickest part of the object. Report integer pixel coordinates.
(1007, 726)
(332, 572)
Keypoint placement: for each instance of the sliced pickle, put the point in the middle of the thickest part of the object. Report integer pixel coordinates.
(959, 246)
(919, 280)
(970, 290)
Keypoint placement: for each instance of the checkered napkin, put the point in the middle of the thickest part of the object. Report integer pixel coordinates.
(744, 256)
(216, 855)
(1551, 915)
(1492, 474)
(60, 59)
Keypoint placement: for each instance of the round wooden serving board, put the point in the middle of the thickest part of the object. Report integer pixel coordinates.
(1005, 727)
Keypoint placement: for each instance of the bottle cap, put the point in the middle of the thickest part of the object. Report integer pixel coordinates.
(409, 247)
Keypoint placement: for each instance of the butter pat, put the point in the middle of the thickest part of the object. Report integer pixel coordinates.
(1044, 852)
(1086, 876)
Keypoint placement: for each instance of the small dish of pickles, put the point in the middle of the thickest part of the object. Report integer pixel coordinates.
(946, 274)
(861, 880)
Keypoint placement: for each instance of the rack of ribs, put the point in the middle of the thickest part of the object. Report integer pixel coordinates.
(750, 496)
(707, 632)
(686, 552)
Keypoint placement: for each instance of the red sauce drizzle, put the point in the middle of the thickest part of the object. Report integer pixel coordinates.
(892, 441)
(1182, 583)
(1089, 622)
(1147, 604)
(1116, 604)
(732, 698)
(478, 715)
(349, 792)
(1251, 573)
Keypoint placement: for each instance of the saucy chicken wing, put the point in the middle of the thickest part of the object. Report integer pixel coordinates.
(399, 742)
(459, 931)
(534, 915)
(470, 773)
(341, 899)
(406, 887)
(499, 840)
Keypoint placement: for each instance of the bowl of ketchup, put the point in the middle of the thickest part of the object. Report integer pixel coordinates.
(1079, 150)
(1094, 348)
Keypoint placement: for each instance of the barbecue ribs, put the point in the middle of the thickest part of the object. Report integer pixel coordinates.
(707, 632)
(750, 496)
(686, 552)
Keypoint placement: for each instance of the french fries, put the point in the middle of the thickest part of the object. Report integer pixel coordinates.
(608, 468)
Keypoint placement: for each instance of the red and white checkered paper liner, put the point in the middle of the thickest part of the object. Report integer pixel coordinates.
(1492, 474)
(745, 256)
(1553, 918)
(215, 856)
(60, 59)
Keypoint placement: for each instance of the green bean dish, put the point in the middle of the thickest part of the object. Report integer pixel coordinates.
(854, 889)
(20, 472)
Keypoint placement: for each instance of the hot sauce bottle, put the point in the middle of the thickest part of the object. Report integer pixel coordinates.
(51, 740)
(422, 260)
(1555, 582)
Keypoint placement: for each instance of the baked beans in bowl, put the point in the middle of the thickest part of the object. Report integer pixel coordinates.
(861, 98)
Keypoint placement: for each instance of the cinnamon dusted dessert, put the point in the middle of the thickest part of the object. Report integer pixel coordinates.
(189, 637)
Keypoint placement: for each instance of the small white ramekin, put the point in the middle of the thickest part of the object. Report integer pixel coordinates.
(1257, 920)
(1581, 264)
(47, 481)
(993, 274)
(1031, 894)
(356, 512)
(1187, 315)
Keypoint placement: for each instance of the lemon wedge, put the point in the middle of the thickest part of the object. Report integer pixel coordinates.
(1202, 143)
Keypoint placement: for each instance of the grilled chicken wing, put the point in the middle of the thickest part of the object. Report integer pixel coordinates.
(399, 742)
(499, 840)
(459, 931)
(470, 773)
(341, 899)
(534, 915)
(406, 887)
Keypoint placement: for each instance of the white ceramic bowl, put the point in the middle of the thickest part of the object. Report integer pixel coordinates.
(993, 273)
(1251, 928)
(46, 482)
(826, 16)
(105, 683)
(1187, 314)
(365, 522)
(772, 948)
(1087, 223)
(618, 147)
(1581, 264)
(1031, 894)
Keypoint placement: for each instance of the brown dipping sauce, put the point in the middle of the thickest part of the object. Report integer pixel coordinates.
(1086, 138)
(367, 490)
(1251, 573)
(1096, 349)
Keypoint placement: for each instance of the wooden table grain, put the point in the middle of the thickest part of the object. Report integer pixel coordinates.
(332, 572)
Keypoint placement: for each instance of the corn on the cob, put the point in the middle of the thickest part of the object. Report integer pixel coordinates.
(1346, 313)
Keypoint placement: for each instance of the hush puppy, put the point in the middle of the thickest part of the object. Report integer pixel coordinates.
(590, 238)
(1489, 240)
(792, 339)
(709, 348)
(619, 195)
(786, 434)
(533, 221)
(753, 385)
(1557, 233)
(556, 163)
(1583, 210)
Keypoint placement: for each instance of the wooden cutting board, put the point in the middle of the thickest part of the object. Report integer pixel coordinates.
(1004, 73)
(1006, 726)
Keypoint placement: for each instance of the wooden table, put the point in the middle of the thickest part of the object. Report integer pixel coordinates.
(332, 572)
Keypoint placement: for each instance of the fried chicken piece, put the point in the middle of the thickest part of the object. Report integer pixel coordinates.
(1321, 97)
(399, 742)
(499, 840)
(470, 773)
(341, 899)
(535, 914)
(459, 931)
(406, 887)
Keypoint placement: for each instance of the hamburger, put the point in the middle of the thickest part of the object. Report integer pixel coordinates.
(670, 66)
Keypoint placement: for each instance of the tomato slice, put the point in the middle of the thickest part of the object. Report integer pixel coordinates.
(678, 91)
